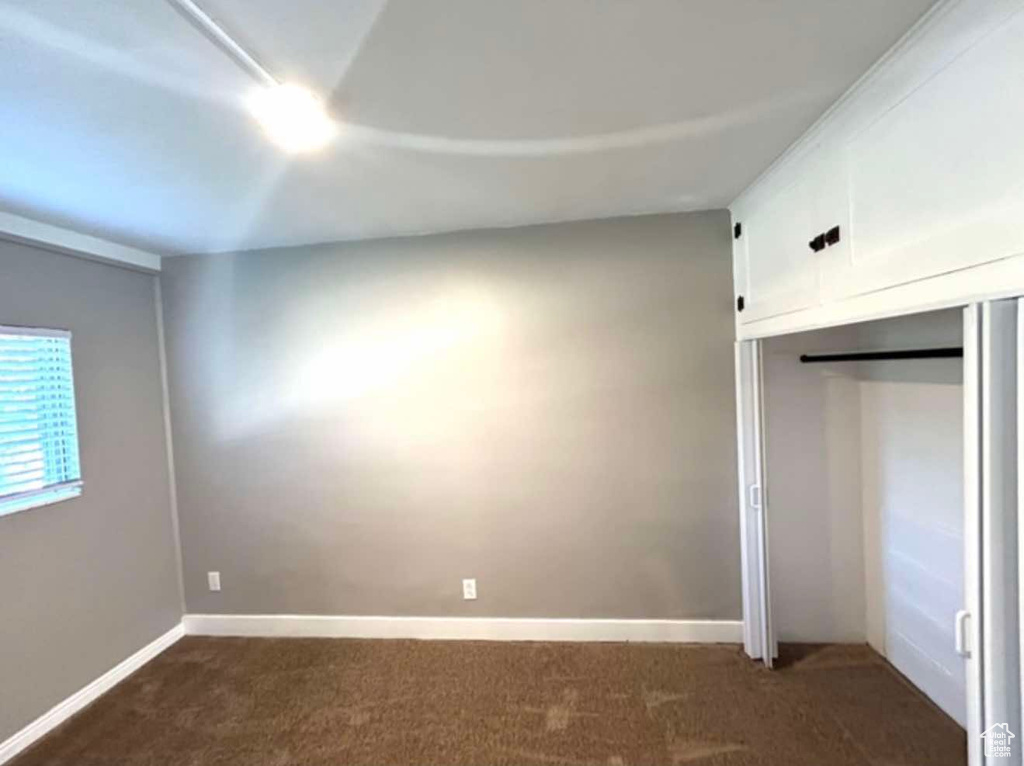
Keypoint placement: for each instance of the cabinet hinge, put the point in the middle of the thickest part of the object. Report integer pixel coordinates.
(740, 303)
(737, 231)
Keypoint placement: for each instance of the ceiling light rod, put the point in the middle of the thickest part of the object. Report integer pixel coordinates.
(292, 117)
(224, 41)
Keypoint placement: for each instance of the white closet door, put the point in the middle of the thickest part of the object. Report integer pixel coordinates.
(968, 628)
(1020, 523)
(757, 627)
(990, 533)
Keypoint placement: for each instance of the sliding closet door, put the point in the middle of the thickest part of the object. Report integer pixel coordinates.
(1020, 525)
(968, 627)
(757, 626)
(988, 631)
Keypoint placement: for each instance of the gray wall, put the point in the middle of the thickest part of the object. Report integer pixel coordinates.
(87, 582)
(548, 409)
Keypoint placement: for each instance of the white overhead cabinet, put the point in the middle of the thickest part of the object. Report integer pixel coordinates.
(785, 260)
(773, 258)
(937, 184)
(922, 169)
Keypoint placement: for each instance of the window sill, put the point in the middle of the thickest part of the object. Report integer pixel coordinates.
(38, 500)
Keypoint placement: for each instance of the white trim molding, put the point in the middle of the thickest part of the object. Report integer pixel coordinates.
(989, 281)
(17, 228)
(64, 710)
(465, 628)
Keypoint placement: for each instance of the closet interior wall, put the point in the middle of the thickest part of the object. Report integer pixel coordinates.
(865, 496)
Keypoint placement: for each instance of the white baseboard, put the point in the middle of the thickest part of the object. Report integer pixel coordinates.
(465, 628)
(64, 710)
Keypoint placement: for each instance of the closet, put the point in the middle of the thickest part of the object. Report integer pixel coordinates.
(878, 470)
(879, 498)
(865, 460)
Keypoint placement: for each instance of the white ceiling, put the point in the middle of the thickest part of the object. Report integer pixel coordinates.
(119, 119)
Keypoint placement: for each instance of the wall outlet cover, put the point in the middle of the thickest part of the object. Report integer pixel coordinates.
(469, 589)
(213, 578)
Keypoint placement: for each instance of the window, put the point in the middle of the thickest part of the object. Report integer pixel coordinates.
(38, 430)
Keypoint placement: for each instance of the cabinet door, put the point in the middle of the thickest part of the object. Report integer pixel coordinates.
(781, 271)
(937, 183)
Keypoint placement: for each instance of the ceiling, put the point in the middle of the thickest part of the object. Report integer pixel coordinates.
(120, 119)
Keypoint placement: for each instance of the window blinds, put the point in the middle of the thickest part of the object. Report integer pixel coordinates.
(38, 431)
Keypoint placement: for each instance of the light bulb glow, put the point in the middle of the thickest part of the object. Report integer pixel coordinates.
(293, 118)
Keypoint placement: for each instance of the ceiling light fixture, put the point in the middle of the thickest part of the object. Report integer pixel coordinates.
(291, 116)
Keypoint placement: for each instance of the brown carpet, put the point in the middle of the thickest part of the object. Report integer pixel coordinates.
(278, 702)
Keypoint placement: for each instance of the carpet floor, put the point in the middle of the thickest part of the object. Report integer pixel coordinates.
(320, 702)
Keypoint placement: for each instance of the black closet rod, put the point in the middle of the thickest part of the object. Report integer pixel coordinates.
(873, 356)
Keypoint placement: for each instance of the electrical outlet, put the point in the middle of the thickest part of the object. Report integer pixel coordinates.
(469, 590)
(213, 578)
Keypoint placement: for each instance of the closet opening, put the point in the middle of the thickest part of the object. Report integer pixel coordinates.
(863, 429)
